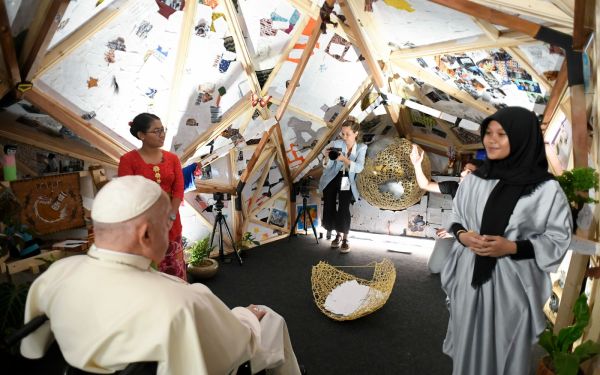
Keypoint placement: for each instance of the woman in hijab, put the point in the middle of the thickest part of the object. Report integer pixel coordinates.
(513, 226)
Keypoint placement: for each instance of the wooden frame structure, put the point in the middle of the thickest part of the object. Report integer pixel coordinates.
(573, 18)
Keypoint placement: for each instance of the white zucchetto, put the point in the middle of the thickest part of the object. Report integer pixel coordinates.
(124, 198)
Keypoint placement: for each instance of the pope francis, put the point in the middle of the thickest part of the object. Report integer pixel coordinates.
(109, 308)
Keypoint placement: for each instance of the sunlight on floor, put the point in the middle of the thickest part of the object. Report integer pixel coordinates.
(420, 247)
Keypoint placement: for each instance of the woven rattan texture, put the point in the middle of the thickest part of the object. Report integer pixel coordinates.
(325, 278)
(392, 164)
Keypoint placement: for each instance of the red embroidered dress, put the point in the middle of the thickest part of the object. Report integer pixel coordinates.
(170, 178)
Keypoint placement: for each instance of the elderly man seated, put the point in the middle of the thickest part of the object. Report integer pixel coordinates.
(109, 308)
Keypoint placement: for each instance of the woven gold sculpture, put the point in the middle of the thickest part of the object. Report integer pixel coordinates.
(325, 278)
(386, 172)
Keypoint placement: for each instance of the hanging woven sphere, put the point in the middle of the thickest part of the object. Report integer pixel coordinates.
(388, 179)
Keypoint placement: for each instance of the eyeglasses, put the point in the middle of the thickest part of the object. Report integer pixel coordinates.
(158, 132)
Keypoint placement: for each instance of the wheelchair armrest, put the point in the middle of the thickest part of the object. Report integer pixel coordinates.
(29, 327)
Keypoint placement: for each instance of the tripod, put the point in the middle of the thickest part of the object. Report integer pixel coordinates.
(220, 221)
(304, 213)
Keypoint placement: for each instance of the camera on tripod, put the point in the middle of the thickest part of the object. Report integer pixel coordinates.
(218, 205)
(334, 153)
(303, 186)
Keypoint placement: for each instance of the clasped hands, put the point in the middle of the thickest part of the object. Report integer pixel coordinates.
(257, 311)
(487, 245)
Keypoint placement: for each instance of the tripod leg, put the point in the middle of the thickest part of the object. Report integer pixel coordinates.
(235, 250)
(212, 236)
(304, 217)
(221, 249)
(293, 232)
(313, 227)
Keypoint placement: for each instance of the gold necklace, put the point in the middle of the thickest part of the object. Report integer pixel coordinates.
(156, 170)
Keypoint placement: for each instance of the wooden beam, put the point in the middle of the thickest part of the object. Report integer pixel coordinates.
(298, 29)
(8, 47)
(210, 187)
(580, 31)
(59, 145)
(277, 139)
(242, 52)
(270, 226)
(310, 45)
(437, 82)
(302, 112)
(255, 156)
(492, 15)
(567, 6)
(579, 126)
(472, 147)
(215, 129)
(364, 42)
(558, 90)
(506, 39)
(75, 123)
(81, 35)
(488, 29)
(539, 9)
(520, 57)
(362, 91)
(260, 182)
(185, 35)
(40, 34)
(5, 86)
(430, 141)
(307, 7)
(271, 199)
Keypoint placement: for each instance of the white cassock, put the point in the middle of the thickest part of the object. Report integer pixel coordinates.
(107, 309)
(492, 328)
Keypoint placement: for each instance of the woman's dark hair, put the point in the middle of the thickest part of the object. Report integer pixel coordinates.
(353, 124)
(141, 123)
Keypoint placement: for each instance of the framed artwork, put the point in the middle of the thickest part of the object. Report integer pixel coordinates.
(50, 204)
(278, 218)
(99, 177)
(312, 211)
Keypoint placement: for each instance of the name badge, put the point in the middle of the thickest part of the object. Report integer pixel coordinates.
(345, 183)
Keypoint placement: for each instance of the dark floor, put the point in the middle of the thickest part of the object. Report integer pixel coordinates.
(404, 337)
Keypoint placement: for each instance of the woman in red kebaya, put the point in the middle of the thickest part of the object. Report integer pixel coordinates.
(164, 168)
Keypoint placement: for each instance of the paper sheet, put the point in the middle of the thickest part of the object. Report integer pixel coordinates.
(346, 298)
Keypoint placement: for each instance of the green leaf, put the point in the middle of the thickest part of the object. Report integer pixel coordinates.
(586, 350)
(566, 363)
(199, 251)
(581, 311)
(567, 336)
(548, 341)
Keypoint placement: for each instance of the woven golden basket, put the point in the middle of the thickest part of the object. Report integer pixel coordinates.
(325, 278)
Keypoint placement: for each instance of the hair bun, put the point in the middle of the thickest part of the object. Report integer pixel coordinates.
(130, 123)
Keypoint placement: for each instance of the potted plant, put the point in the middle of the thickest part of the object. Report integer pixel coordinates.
(562, 359)
(199, 264)
(576, 183)
(248, 241)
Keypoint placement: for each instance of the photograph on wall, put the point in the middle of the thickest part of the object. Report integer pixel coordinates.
(50, 204)
(312, 211)
(278, 218)
(416, 224)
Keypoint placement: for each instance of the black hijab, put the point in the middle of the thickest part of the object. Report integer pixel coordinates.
(519, 173)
